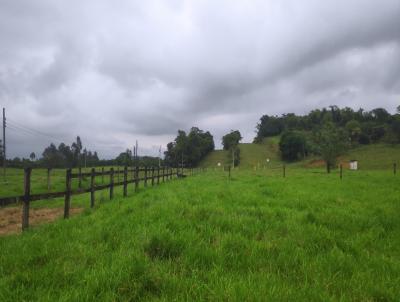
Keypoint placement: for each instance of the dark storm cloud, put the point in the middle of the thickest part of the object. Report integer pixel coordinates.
(114, 73)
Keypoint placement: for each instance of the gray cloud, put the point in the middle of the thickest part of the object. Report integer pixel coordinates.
(114, 73)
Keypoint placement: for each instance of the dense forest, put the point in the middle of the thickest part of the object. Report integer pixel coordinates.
(363, 127)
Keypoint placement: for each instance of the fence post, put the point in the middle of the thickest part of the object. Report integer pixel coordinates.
(48, 179)
(67, 201)
(152, 176)
(158, 175)
(92, 183)
(27, 193)
(102, 175)
(229, 171)
(341, 171)
(136, 178)
(125, 181)
(111, 183)
(394, 168)
(80, 178)
(118, 174)
(284, 171)
(145, 176)
(163, 174)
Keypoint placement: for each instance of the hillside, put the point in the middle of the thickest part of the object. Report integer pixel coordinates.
(374, 156)
(250, 154)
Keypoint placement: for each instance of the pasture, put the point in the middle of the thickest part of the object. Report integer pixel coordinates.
(258, 236)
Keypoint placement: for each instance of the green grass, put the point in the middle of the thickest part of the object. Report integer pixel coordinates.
(14, 184)
(306, 237)
(251, 155)
(378, 156)
(370, 157)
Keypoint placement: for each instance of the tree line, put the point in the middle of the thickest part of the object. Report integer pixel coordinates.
(75, 155)
(328, 132)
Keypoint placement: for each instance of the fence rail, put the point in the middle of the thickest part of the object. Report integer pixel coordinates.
(153, 174)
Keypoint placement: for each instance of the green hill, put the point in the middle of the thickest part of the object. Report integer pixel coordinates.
(370, 157)
(250, 154)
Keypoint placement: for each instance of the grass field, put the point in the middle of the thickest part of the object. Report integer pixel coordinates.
(306, 237)
(370, 157)
(250, 155)
(14, 185)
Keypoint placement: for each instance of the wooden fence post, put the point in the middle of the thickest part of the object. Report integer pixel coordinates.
(145, 176)
(67, 201)
(27, 193)
(92, 184)
(125, 181)
(136, 178)
(158, 175)
(152, 176)
(80, 177)
(229, 171)
(102, 175)
(284, 171)
(341, 171)
(163, 174)
(111, 183)
(48, 179)
(118, 174)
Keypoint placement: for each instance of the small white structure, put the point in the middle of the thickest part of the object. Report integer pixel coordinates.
(353, 164)
(219, 164)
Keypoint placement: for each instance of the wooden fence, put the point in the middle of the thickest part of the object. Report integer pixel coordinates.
(152, 175)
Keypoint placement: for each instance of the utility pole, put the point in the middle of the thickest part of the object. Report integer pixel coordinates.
(4, 143)
(134, 156)
(137, 156)
(159, 157)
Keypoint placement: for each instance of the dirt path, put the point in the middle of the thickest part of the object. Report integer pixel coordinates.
(10, 218)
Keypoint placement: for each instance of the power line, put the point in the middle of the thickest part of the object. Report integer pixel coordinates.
(33, 131)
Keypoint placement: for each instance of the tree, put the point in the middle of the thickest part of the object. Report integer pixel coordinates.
(332, 142)
(76, 149)
(32, 156)
(354, 129)
(292, 145)
(189, 148)
(269, 126)
(230, 142)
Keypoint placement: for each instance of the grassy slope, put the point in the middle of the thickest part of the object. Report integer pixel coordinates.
(376, 156)
(250, 154)
(308, 237)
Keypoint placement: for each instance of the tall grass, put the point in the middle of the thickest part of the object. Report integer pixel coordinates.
(306, 237)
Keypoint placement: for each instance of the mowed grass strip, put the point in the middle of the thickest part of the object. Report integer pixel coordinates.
(306, 237)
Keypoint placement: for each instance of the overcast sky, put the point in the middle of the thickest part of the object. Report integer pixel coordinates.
(116, 71)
